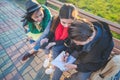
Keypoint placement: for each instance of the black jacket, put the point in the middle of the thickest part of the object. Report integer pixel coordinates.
(95, 54)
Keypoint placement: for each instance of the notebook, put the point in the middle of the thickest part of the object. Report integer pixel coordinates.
(60, 64)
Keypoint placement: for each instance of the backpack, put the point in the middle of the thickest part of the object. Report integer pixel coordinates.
(109, 71)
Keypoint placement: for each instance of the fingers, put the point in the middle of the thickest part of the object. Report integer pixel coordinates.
(47, 47)
(43, 41)
(66, 65)
(67, 54)
(70, 66)
(50, 45)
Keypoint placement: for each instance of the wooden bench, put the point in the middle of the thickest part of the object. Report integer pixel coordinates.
(113, 26)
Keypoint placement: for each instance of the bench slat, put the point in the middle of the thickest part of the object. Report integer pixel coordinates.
(113, 26)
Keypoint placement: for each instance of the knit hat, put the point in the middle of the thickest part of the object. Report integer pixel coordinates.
(32, 5)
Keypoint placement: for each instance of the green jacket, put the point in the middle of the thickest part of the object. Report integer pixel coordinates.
(43, 24)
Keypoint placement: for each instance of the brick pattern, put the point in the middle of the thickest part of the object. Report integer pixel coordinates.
(13, 45)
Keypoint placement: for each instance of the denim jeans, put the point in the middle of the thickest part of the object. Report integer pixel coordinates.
(75, 76)
(31, 41)
(57, 49)
(80, 76)
(46, 31)
(57, 74)
(117, 76)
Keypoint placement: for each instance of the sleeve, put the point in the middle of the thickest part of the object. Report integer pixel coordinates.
(47, 16)
(50, 36)
(46, 31)
(64, 42)
(80, 67)
(60, 42)
(70, 46)
(88, 67)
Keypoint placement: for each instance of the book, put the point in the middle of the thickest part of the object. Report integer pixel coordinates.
(58, 62)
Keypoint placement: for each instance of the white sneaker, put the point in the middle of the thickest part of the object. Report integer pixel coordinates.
(46, 63)
(49, 70)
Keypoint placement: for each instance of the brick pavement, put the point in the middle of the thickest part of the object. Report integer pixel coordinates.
(13, 45)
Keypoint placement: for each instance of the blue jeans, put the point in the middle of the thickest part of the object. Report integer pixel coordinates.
(76, 76)
(57, 49)
(46, 31)
(57, 74)
(80, 76)
(117, 76)
(31, 41)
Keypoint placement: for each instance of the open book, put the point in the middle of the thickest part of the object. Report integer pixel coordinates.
(60, 64)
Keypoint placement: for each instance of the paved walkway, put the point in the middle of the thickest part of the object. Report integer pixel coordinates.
(12, 46)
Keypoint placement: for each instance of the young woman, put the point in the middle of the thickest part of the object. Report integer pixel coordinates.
(59, 32)
(36, 23)
(91, 44)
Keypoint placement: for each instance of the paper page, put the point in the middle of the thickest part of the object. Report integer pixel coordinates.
(59, 63)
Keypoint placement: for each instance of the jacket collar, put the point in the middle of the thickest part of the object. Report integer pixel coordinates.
(88, 47)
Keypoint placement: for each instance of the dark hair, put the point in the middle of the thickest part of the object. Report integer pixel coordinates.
(68, 11)
(80, 30)
(31, 7)
(28, 16)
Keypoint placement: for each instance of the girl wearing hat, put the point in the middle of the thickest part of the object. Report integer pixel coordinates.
(36, 23)
(58, 33)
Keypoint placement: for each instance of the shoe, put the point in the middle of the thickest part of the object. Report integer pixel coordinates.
(49, 70)
(27, 55)
(46, 63)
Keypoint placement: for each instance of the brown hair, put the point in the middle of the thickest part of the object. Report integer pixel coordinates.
(54, 23)
(67, 11)
(80, 30)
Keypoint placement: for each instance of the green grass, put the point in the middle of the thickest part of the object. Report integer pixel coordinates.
(98, 7)
(116, 35)
(53, 7)
(108, 9)
(41, 1)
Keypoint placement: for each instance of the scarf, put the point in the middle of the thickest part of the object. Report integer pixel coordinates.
(61, 32)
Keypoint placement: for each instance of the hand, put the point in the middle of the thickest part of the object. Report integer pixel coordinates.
(37, 23)
(26, 29)
(50, 45)
(43, 41)
(65, 57)
(70, 66)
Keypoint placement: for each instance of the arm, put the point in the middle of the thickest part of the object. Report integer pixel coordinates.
(70, 66)
(45, 33)
(26, 28)
(47, 38)
(47, 17)
(50, 36)
(60, 42)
